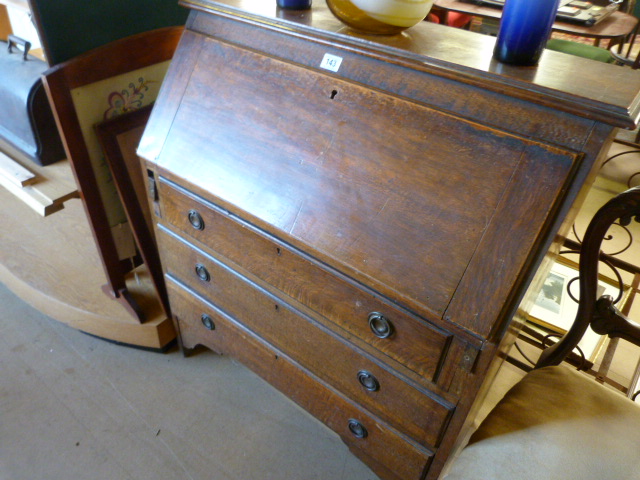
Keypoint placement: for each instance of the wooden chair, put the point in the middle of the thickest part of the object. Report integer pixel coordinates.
(104, 84)
(627, 58)
(557, 423)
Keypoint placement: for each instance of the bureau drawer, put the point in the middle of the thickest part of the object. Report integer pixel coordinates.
(381, 443)
(412, 409)
(407, 339)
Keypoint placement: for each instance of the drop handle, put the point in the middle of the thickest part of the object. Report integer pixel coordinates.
(208, 322)
(202, 272)
(357, 429)
(380, 325)
(196, 220)
(368, 381)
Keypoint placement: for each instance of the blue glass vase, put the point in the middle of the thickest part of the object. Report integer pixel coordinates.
(294, 4)
(525, 28)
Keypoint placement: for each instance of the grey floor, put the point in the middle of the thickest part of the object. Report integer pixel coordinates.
(73, 407)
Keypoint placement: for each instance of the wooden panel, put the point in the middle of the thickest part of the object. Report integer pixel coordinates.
(172, 91)
(512, 245)
(442, 92)
(48, 190)
(15, 173)
(405, 458)
(411, 409)
(414, 343)
(449, 53)
(382, 208)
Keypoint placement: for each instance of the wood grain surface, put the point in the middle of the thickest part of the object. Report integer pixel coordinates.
(420, 178)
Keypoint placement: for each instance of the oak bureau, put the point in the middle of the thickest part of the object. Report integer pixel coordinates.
(356, 218)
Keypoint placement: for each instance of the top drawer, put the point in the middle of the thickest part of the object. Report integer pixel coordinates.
(405, 338)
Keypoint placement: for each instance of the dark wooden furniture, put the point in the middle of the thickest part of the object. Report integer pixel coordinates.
(357, 218)
(616, 28)
(629, 58)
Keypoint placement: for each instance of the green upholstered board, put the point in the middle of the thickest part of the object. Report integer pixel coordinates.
(580, 49)
(68, 28)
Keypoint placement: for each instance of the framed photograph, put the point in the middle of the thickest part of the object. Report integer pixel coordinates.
(555, 310)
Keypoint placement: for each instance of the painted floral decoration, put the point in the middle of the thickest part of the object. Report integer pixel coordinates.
(127, 100)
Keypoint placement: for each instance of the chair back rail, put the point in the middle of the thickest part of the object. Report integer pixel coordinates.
(603, 317)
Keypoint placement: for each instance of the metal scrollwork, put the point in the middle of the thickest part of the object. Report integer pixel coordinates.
(630, 176)
(605, 244)
(602, 314)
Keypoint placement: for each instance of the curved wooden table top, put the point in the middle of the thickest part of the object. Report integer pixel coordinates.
(614, 28)
(52, 263)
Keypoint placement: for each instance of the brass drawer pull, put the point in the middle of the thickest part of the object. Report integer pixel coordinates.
(207, 321)
(357, 429)
(195, 219)
(380, 325)
(368, 381)
(202, 272)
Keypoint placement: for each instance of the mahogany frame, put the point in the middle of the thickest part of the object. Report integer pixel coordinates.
(128, 179)
(120, 57)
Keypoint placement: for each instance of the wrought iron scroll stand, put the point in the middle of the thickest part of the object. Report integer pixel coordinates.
(600, 313)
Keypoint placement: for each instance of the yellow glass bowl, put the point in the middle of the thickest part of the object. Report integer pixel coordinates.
(380, 16)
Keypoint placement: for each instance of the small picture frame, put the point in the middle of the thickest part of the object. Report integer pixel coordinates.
(554, 310)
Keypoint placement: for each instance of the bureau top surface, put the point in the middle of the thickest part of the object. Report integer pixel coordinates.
(566, 82)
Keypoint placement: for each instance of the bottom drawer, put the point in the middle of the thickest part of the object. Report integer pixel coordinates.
(201, 323)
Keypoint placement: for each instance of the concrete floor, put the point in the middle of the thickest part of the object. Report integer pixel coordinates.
(73, 407)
